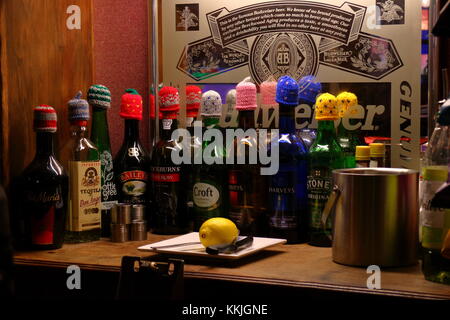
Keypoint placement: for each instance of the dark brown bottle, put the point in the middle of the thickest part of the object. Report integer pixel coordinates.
(40, 192)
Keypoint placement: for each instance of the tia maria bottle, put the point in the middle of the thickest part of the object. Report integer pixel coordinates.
(288, 215)
(132, 162)
(169, 214)
(40, 193)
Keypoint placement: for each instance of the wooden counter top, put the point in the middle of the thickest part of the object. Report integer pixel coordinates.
(301, 266)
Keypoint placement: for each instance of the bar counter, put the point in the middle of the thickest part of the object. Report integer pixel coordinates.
(279, 270)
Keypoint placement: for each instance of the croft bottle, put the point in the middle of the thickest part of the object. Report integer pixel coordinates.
(40, 193)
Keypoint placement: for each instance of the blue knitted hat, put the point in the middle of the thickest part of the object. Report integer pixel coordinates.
(287, 91)
(78, 108)
(309, 89)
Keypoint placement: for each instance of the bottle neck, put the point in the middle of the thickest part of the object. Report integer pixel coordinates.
(44, 144)
(287, 119)
(78, 131)
(99, 130)
(247, 119)
(325, 129)
(131, 130)
(210, 122)
(167, 126)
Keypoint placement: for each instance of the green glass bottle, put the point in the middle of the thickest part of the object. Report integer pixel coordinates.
(348, 140)
(210, 193)
(325, 155)
(99, 98)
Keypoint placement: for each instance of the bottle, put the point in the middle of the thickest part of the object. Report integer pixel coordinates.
(84, 220)
(210, 188)
(99, 98)
(132, 162)
(325, 155)
(377, 152)
(40, 192)
(169, 214)
(246, 185)
(362, 156)
(346, 139)
(287, 189)
(309, 89)
(435, 209)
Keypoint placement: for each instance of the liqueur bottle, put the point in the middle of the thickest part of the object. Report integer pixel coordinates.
(347, 140)
(325, 155)
(169, 214)
(132, 162)
(246, 185)
(40, 192)
(287, 189)
(99, 98)
(210, 189)
(309, 89)
(84, 221)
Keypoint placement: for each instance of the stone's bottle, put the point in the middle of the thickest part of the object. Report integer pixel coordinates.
(99, 98)
(325, 155)
(347, 140)
(288, 215)
(169, 214)
(40, 193)
(84, 221)
(377, 153)
(210, 188)
(132, 161)
(362, 156)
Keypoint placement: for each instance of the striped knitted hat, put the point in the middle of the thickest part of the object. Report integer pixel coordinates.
(193, 100)
(268, 91)
(131, 105)
(169, 102)
(287, 91)
(246, 96)
(99, 96)
(78, 108)
(211, 104)
(45, 119)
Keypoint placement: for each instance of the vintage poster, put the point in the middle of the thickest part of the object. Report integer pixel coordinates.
(370, 47)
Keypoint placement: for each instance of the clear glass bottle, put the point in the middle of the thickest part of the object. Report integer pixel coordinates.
(362, 156)
(377, 155)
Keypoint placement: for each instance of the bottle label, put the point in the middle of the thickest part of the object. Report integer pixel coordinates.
(109, 190)
(319, 189)
(165, 174)
(134, 184)
(85, 195)
(435, 224)
(206, 196)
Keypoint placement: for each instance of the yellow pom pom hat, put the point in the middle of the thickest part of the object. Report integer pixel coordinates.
(345, 100)
(326, 107)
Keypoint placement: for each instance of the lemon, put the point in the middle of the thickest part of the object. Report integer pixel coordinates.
(216, 231)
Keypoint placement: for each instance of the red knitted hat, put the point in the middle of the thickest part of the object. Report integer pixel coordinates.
(193, 100)
(45, 119)
(131, 105)
(169, 102)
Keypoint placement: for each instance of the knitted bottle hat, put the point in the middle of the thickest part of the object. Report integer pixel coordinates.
(193, 100)
(211, 104)
(78, 108)
(45, 119)
(309, 88)
(169, 102)
(99, 96)
(287, 91)
(346, 100)
(326, 107)
(231, 99)
(245, 96)
(268, 92)
(131, 105)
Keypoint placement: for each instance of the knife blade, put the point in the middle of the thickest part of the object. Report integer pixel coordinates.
(231, 248)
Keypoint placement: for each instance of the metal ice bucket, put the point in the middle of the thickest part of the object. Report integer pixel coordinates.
(376, 216)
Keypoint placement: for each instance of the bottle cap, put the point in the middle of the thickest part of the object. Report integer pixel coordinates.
(99, 96)
(362, 153)
(435, 174)
(287, 91)
(45, 119)
(131, 105)
(345, 100)
(326, 107)
(78, 109)
(268, 93)
(309, 88)
(211, 104)
(193, 100)
(246, 96)
(169, 102)
(377, 149)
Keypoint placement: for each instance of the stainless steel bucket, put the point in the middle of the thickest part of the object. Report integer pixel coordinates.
(376, 216)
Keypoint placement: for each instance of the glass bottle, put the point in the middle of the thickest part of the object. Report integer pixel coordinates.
(377, 155)
(362, 156)
(347, 140)
(84, 220)
(210, 188)
(325, 155)
(99, 98)
(169, 214)
(40, 193)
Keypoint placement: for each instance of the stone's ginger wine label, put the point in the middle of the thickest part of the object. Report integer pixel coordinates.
(85, 190)
(319, 189)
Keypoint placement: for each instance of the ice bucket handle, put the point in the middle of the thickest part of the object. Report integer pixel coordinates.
(329, 207)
